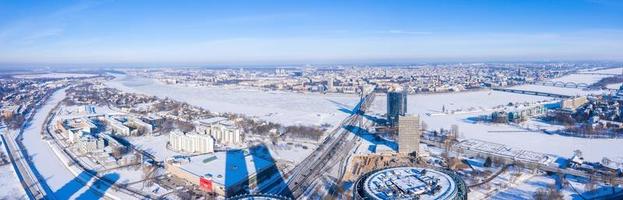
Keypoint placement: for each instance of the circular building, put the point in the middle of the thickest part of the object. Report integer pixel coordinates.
(410, 183)
(258, 197)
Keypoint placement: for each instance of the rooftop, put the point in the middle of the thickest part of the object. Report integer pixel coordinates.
(226, 168)
(410, 183)
(507, 151)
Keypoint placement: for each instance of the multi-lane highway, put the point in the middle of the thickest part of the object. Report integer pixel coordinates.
(329, 153)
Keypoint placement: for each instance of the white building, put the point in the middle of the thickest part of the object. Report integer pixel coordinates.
(73, 129)
(117, 127)
(223, 130)
(145, 128)
(191, 142)
(90, 144)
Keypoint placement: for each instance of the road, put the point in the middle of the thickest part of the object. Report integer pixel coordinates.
(334, 148)
(31, 185)
(529, 92)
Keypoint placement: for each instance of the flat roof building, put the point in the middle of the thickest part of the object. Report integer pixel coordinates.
(410, 183)
(224, 173)
(409, 134)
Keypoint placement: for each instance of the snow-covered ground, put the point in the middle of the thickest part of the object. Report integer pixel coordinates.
(525, 189)
(293, 152)
(593, 149)
(155, 145)
(60, 180)
(295, 108)
(280, 107)
(10, 188)
(583, 78)
(614, 86)
(53, 75)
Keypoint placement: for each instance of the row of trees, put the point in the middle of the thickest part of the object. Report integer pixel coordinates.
(14, 121)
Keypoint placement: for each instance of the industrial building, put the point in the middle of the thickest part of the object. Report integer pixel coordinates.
(226, 174)
(410, 183)
(409, 134)
(396, 104)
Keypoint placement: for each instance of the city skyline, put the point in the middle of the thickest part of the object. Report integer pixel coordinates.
(114, 33)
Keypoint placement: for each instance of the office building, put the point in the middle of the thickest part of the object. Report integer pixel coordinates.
(409, 134)
(396, 104)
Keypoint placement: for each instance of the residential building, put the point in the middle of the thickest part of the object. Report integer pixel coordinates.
(117, 127)
(191, 142)
(574, 103)
(221, 129)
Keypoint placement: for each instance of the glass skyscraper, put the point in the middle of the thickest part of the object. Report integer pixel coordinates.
(396, 105)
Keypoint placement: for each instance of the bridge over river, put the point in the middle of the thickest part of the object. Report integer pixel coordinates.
(530, 92)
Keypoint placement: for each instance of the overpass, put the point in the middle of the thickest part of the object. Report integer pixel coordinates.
(530, 92)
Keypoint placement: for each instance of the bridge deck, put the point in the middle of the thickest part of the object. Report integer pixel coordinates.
(529, 92)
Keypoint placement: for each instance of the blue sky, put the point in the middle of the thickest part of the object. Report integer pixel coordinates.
(277, 32)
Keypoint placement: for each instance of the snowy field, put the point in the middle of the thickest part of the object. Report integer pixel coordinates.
(296, 108)
(155, 145)
(614, 86)
(53, 75)
(281, 107)
(525, 189)
(10, 188)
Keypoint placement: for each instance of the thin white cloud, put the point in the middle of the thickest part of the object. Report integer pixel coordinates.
(583, 45)
(396, 31)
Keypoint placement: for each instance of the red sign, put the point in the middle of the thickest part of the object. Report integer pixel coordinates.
(205, 184)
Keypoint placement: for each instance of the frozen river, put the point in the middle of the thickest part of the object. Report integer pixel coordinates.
(281, 107)
(297, 108)
(58, 178)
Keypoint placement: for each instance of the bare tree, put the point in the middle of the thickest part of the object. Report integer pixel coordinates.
(148, 174)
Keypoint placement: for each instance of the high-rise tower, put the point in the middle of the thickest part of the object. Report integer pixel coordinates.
(396, 104)
(409, 134)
